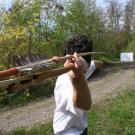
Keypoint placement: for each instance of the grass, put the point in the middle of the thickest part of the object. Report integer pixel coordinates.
(111, 117)
(20, 99)
(114, 117)
(39, 129)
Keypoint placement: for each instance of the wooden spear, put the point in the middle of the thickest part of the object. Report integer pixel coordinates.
(28, 67)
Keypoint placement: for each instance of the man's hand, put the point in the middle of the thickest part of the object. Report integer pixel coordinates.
(80, 66)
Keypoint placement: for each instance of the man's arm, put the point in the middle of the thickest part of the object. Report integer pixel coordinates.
(81, 93)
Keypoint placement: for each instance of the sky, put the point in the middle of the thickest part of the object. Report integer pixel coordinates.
(99, 3)
(7, 3)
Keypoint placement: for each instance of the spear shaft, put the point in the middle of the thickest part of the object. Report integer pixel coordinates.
(53, 60)
(23, 82)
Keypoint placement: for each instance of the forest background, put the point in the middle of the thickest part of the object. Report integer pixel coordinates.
(42, 27)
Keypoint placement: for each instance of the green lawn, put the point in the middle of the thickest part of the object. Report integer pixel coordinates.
(111, 117)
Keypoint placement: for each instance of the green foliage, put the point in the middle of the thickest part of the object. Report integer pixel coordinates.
(80, 17)
(42, 26)
(115, 44)
(27, 30)
(131, 46)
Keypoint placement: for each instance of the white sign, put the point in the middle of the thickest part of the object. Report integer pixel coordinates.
(125, 57)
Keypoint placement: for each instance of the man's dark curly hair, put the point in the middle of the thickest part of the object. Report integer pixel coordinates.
(79, 44)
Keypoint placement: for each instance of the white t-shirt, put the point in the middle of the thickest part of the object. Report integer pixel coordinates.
(68, 119)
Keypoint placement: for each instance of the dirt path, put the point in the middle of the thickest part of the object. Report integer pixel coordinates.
(102, 86)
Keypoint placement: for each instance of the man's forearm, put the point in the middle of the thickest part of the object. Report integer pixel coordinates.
(81, 93)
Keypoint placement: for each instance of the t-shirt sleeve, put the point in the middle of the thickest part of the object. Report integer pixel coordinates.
(90, 70)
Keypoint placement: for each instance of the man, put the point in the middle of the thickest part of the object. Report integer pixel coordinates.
(72, 94)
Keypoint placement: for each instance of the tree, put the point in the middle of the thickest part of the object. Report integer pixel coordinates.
(26, 30)
(80, 17)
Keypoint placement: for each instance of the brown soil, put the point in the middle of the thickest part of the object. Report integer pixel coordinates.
(104, 84)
